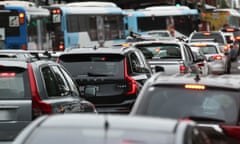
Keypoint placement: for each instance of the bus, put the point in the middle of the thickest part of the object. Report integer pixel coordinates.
(179, 20)
(216, 19)
(86, 24)
(23, 26)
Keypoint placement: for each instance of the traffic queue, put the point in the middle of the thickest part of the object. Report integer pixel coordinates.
(150, 87)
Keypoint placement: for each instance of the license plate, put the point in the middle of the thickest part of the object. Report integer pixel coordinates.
(90, 90)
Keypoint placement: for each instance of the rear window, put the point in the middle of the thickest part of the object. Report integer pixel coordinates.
(162, 51)
(210, 49)
(13, 83)
(179, 102)
(215, 37)
(109, 65)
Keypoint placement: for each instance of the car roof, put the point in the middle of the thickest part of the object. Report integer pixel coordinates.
(114, 122)
(229, 81)
(156, 42)
(112, 50)
(13, 63)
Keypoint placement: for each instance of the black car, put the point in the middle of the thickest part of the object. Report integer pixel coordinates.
(208, 100)
(30, 88)
(108, 77)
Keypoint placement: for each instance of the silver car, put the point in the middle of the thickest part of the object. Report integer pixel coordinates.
(216, 60)
(109, 129)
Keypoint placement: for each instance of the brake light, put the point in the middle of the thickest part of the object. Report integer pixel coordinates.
(6, 74)
(131, 83)
(24, 47)
(230, 30)
(39, 107)
(207, 33)
(204, 14)
(21, 18)
(217, 57)
(226, 47)
(182, 69)
(194, 86)
(61, 46)
(56, 11)
(237, 38)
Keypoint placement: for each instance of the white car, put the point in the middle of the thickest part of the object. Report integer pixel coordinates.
(216, 60)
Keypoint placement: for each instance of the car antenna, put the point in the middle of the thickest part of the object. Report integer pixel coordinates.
(197, 78)
(95, 47)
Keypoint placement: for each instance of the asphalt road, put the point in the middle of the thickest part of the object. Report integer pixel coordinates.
(236, 67)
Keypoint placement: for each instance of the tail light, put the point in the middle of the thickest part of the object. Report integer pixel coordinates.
(232, 131)
(21, 18)
(39, 107)
(217, 57)
(226, 48)
(61, 46)
(131, 83)
(182, 69)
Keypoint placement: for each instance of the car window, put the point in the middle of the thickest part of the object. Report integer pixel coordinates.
(215, 37)
(55, 86)
(71, 82)
(162, 51)
(82, 65)
(212, 103)
(210, 49)
(135, 63)
(13, 83)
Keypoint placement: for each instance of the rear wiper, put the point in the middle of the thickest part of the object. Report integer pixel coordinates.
(204, 119)
(97, 74)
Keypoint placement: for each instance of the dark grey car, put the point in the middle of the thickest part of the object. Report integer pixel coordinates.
(29, 89)
(108, 77)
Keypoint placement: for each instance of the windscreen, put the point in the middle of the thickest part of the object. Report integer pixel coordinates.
(179, 102)
(13, 83)
(162, 51)
(109, 65)
(98, 136)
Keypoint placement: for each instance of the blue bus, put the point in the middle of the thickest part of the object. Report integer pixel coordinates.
(86, 24)
(179, 20)
(23, 26)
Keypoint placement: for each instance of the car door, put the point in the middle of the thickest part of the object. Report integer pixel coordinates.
(189, 60)
(15, 101)
(60, 96)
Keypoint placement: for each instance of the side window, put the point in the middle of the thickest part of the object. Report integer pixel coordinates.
(190, 54)
(71, 83)
(134, 62)
(61, 81)
(50, 82)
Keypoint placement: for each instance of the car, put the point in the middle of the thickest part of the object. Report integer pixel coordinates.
(30, 88)
(111, 129)
(215, 60)
(210, 36)
(213, 99)
(108, 77)
(170, 57)
(233, 44)
(160, 34)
